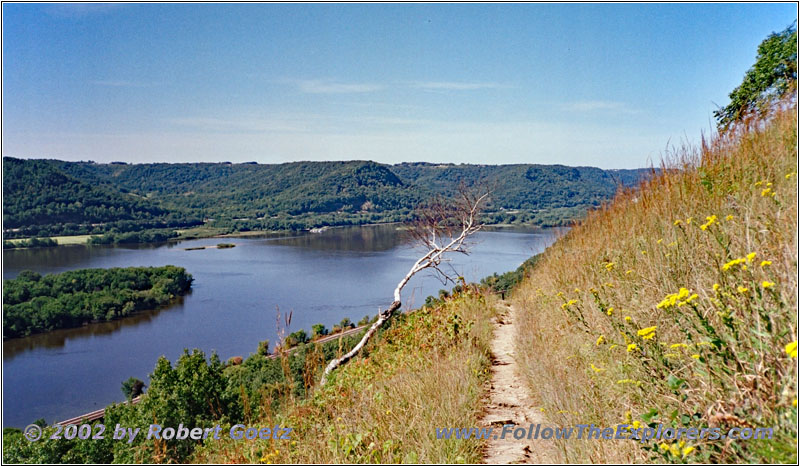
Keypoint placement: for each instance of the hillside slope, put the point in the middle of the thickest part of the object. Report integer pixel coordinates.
(296, 195)
(38, 195)
(677, 305)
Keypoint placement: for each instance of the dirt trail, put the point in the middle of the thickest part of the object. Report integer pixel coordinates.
(510, 403)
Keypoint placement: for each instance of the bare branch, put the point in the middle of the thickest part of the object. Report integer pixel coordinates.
(441, 226)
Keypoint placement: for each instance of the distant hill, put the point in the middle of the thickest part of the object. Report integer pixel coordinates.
(525, 186)
(94, 198)
(39, 196)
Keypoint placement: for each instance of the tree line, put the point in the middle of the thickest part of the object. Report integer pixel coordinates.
(34, 303)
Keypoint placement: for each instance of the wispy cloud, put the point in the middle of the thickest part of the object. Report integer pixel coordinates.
(599, 106)
(331, 87)
(455, 86)
(246, 125)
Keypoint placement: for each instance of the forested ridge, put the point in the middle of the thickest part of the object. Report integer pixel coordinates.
(50, 197)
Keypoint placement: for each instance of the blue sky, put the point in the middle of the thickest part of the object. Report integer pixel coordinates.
(607, 85)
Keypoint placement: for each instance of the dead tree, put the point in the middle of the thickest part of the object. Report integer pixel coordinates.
(440, 227)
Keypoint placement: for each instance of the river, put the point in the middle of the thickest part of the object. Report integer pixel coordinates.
(322, 278)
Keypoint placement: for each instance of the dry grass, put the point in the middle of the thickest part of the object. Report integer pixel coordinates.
(657, 258)
(427, 370)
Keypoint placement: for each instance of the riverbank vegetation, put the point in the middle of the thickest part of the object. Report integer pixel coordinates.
(34, 303)
(426, 369)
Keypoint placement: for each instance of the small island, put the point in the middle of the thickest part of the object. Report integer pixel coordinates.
(33, 303)
(220, 246)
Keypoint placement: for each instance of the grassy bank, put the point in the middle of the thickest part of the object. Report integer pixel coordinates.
(677, 305)
(427, 370)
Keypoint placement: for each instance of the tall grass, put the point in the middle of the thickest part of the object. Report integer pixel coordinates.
(428, 370)
(677, 304)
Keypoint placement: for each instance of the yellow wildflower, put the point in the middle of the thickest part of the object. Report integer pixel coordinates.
(732, 263)
(729, 217)
(791, 349)
(560, 294)
(664, 446)
(596, 370)
(696, 356)
(659, 241)
(767, 284)
(673, 298)
(759, 183)
(600, 340)
(671, 355)
(644, 252)
(790, 175)
(631, 347)
(612, 346)
(647, 333)
(577, 290)
(628, 319)
(609, 266)
(629, 381)
(794, 402)
(610, 310)
(629, 271)
(766, 192)
(766, 263)
(710, 220)
(751, 257)
(678, 222)
(716, 287)
(680, 344)
(742, 289)
(689, 220)
(687, 450)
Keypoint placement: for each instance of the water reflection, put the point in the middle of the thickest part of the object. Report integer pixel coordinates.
(59, 337)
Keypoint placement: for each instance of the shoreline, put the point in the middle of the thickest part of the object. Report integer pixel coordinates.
(70, 240)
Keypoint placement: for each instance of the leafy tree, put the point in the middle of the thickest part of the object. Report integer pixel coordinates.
(773, 74)
(318, 330)
(132, 387)
(345, 323)
(297, 338)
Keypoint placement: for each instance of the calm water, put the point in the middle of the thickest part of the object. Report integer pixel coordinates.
(322, 278)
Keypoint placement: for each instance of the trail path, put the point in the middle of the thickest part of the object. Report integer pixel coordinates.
(509, 401)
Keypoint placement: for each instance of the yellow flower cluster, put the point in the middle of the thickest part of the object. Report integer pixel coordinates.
(647, 333)
(681, 298)
(609, 266)
(629, 381)
(748, 259)
(569, 303)
(600, 340)
(596, 370)
(710, 220)
(269, 456)
(631, 347)
(677, 449)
